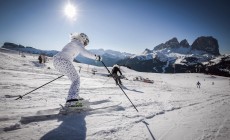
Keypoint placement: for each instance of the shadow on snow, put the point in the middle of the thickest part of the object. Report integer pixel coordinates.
(72, 127)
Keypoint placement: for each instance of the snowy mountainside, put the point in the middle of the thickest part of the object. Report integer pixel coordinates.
(21, 48)
(113, 53)
(169, 54)
(171, 108)
(109, 56)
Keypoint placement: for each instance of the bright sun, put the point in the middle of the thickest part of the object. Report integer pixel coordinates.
(70, 11)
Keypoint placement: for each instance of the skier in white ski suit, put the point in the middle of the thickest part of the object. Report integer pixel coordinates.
(63, 62)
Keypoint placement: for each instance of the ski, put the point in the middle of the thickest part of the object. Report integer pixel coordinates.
(37, 118)
(11, 96)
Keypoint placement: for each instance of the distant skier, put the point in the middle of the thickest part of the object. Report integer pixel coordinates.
(63, 63)
(40, 59)
(115, 71)
(198, 84)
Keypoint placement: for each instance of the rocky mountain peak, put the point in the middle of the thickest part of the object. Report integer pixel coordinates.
(172, 43)
(184, 43)
(208, 44)
(146, 51)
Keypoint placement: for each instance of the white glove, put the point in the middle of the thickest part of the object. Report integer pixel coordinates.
(98, 58)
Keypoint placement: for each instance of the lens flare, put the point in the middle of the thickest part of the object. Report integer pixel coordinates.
(70, 11)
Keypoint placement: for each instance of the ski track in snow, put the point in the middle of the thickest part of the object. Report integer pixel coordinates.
(164, 67)
(171, 108)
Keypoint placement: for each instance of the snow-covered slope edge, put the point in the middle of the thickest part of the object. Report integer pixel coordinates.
(109, 56)
(172, 106)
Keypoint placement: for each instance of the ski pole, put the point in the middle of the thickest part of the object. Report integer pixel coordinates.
(120, 86)
(20, 96)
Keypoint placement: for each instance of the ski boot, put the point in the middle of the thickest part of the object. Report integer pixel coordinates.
(74, 103)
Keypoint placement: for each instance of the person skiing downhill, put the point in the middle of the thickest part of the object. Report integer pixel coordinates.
(62, 62)
(117, 78)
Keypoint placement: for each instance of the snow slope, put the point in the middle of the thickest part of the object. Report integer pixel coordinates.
(171, 108)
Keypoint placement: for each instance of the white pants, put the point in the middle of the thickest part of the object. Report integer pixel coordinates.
(66, 68)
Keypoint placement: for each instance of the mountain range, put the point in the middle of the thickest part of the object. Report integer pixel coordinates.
(110, 57)
(180, 57)
(170, 57)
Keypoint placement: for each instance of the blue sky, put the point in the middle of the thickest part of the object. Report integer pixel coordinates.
(122, 25)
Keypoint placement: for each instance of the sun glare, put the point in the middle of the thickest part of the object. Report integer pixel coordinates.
(70, 11)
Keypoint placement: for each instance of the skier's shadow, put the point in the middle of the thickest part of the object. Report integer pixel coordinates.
(37, 64)
(73, 127)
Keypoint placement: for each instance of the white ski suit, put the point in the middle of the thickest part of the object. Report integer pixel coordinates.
(63, 63)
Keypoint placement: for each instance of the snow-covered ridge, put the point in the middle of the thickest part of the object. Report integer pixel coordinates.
(113, 53)
(110, 57)
(169, 54)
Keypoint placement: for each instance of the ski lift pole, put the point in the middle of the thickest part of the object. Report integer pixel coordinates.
(20, 96)
(120, 87)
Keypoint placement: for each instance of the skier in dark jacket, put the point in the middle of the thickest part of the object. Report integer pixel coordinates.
(40, 59)
(115, 71)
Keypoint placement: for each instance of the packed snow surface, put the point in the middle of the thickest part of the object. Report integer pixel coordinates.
(171, 108)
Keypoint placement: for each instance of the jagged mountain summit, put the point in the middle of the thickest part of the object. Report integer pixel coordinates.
(207, 44)
(171, 44)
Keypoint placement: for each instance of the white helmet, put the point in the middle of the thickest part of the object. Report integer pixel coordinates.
(116, 66)
(81, 37)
